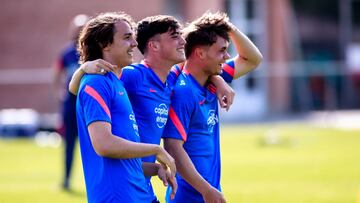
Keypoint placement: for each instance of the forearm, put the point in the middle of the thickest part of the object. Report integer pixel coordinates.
(187, 169)
(108, 145)
(150, 169)
(217, 80)
(75, 81)
(248, 54)
(117, 147)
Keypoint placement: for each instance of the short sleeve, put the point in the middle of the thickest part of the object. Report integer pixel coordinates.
(174, 74)
(95, 98)
(228, 70)
(132, 78)
(180, 112)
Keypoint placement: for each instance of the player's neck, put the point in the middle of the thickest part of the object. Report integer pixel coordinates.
(160, 67)
(116, 71)
(196, 71)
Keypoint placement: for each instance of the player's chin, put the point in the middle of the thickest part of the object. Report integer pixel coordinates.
(127, 61)
(218, 71)
(182, 58)
(130, 59)
(179, 59)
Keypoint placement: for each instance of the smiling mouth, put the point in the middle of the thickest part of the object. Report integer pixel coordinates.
(131, 52)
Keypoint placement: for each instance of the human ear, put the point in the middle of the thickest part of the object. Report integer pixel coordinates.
(154, 45)
(106, 48)
(200, 52)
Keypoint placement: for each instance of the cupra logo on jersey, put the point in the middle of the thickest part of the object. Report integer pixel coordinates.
(135, 126)
(162, 113)
(212, 120)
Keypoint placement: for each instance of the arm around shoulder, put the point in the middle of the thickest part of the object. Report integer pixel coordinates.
(224, 92)
(98, 66)
(75, 81)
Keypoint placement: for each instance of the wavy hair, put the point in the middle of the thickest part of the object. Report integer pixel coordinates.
(98, 33)
(153, 25)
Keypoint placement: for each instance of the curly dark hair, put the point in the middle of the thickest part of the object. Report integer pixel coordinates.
(98, 33)
(205, 30)
(153, 25)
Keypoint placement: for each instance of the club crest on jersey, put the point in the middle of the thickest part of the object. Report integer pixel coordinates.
(135, 126)
(161, 113)
(182, 82)
(212, 120)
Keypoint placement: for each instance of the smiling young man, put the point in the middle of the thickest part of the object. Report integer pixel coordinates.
(108, 131)
(150, 83)
(192, 134)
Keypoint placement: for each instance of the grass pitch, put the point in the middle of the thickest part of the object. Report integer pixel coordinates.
(278, 163)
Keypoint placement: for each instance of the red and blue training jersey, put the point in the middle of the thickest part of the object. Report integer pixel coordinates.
(103, 98)
(194, 118)
(150, 99)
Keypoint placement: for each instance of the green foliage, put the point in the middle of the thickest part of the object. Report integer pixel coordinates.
(259, 164)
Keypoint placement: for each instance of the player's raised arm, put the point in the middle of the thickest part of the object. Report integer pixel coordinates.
(249, 56)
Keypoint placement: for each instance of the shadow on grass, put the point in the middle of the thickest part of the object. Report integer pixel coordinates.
(73, 192)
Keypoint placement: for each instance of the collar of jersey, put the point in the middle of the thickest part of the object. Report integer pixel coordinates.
(112, 74)
(204, 92)
(153, 75)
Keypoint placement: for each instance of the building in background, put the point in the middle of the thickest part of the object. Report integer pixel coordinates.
(310, 50)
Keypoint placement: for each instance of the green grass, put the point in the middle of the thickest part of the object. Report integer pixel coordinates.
(278, 163)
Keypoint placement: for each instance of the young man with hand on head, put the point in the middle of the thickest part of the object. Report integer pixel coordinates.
(108, 132)
(192, 134)
(150, 83)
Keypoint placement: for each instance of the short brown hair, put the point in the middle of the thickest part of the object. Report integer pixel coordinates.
(98, 33)
(150, 26)
(205, 30)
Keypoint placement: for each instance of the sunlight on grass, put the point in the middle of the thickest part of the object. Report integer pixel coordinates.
(278, 163)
